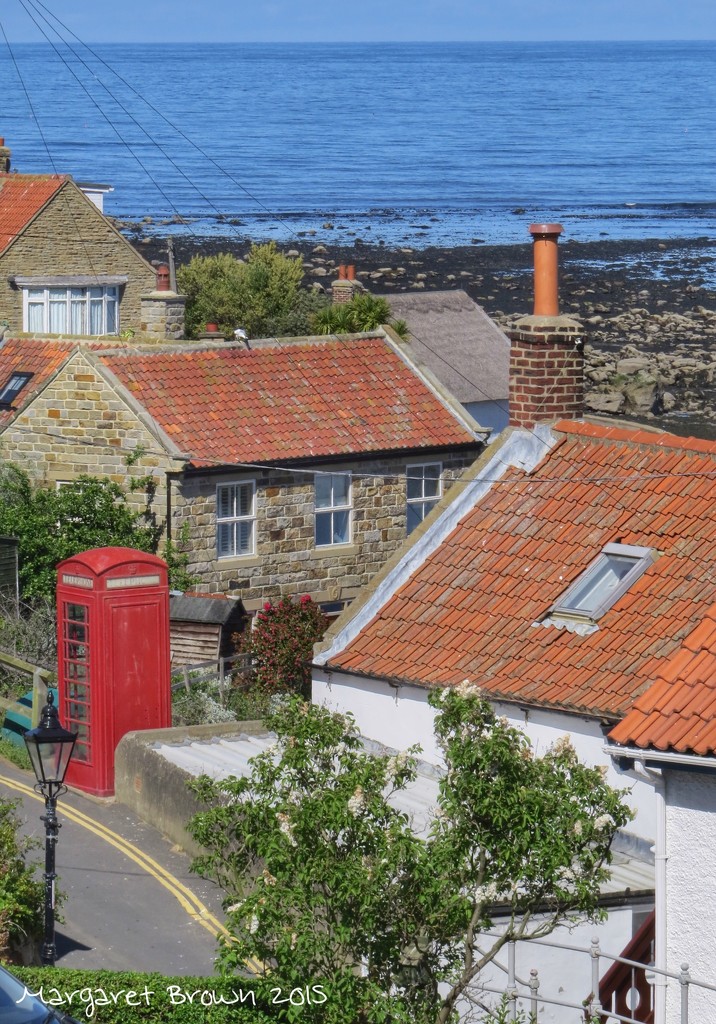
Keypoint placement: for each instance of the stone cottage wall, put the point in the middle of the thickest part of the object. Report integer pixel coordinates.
(79, 425)
(286, 559)
(71, 236)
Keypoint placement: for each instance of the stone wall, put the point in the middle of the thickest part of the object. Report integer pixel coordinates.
(286, 559)
(162, 316)
(77, 425)
(71, 236)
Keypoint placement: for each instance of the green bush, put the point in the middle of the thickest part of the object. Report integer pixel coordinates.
(21, 894)
(110, 997)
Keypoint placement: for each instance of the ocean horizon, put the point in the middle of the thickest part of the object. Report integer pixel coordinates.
(397, 143)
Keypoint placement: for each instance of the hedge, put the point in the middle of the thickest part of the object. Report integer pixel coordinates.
(112, 997)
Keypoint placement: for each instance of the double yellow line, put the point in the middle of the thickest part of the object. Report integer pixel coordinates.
(184, 896)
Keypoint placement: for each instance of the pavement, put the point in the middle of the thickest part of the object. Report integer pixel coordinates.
(131, 902)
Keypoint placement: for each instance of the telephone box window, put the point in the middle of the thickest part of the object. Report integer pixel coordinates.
(75, 632)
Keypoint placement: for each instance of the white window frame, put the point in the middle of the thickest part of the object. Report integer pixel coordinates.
(235, 520)
(641, 557)
(332, 511)
(108, 298)
(422, 504)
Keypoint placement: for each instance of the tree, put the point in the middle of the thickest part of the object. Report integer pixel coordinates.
(364, 312)
(53, 524)
(262, 295)
(326, 881)
(281, 644)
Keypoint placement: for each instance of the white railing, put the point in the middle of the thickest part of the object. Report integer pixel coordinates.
(527, 994)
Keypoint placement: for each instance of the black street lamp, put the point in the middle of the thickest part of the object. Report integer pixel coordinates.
(50, 748)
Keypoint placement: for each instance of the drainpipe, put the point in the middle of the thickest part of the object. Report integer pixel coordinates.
(656, 778)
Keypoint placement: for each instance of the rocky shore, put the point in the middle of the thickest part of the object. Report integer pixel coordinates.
(648, 311)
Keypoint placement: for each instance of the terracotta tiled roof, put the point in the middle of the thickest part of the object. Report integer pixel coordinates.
(468, 610)
(40, 358)
(22, 196)
(288, 401)
(678, 713)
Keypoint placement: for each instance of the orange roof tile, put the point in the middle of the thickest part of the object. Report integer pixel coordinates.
(519, 547)
(22, 196)
(288, 401)
(40, 358)
(678, 713)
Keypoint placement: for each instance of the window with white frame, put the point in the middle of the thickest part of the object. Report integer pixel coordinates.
(70, 310)
(235, 519)
(333, 508)
(424, 489)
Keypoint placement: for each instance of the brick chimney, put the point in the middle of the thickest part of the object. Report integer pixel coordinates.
(5, 155)
(346, 287)
(546, 358)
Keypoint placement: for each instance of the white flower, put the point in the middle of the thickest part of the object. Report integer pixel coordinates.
(604, 821)
(356, 802)
(253, 924)
(286, 827)
(468, 689)
(395, 764)
(268, 878)
(234, 907)
(577, 828)
(483, 893)
(563, 745)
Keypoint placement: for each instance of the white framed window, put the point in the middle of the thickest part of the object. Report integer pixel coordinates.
(71, 310)
(333, 508)
(604, 581)
(235, 519)
(424, 490)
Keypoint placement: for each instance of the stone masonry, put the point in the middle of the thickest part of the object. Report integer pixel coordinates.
(286, 559)
(78, 424)
(162, 316)
(71, 236)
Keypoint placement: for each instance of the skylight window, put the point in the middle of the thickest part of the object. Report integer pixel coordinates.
(603, 582)
(12, 388)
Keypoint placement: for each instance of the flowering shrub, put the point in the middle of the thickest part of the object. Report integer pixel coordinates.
(281, 643)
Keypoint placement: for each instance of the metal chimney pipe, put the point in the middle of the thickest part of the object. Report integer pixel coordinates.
(545, 238)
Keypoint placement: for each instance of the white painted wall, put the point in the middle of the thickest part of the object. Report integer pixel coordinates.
(691, 889)
(400, 717)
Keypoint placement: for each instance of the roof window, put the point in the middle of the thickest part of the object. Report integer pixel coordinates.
(603, 582)
(12, 389)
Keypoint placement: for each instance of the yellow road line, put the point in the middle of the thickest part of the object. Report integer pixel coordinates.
(185, 897)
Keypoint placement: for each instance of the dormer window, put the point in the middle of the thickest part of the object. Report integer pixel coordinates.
(603, 582)
(12, 389)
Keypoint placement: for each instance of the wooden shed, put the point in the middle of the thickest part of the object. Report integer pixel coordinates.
(201, 627)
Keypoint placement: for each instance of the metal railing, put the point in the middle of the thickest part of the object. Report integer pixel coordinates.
(526, 993)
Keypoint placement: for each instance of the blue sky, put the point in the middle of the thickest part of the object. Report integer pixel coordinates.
(370, 20)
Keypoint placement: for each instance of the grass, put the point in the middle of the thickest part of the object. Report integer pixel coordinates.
(17, 755)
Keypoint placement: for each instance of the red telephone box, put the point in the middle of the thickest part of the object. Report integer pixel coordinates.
(112, 655)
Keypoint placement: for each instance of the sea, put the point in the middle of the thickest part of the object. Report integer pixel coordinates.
(404, 144)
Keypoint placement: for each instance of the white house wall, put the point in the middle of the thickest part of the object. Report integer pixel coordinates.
(400, 717)
(691, 888)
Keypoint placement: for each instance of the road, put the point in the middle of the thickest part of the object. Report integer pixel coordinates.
(131, 903)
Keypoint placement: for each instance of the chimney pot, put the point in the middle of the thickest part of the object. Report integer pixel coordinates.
(350, 272)
(163, 279)
(545, 238)
(341, 272)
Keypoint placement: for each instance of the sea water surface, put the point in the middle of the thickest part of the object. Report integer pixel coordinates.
(402, 143)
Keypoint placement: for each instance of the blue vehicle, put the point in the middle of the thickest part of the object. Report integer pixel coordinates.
(18, 1006)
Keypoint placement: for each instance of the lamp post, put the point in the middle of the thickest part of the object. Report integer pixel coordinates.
(50, 748)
